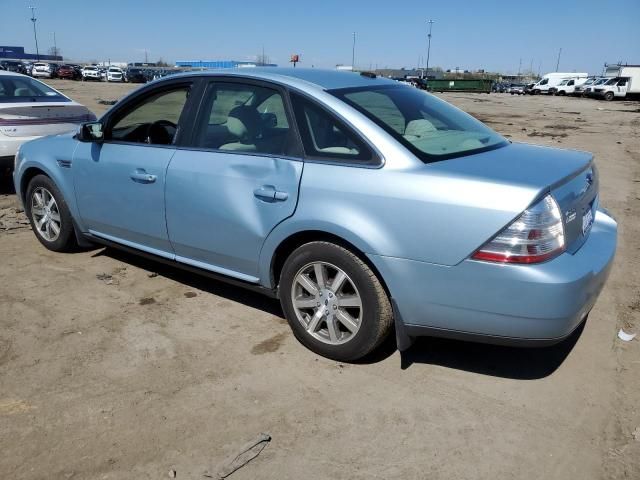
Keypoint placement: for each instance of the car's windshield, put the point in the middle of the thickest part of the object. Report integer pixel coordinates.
(563, 82)
(612, 81)
(431, 128)
(15, 89)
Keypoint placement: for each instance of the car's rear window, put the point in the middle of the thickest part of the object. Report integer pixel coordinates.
(431, 128)
(14, 89)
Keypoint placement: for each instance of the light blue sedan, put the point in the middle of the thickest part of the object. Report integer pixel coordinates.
(362, 204)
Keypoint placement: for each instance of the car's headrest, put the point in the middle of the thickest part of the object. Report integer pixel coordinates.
(244, 123)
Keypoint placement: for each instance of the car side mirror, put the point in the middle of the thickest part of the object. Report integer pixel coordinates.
(91, 132)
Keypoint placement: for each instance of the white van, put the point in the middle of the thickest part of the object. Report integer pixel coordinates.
(625, 80)
(567, 86)
(553, 80)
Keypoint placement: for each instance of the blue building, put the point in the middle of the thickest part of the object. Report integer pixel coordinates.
(18, 53)
(219, 64)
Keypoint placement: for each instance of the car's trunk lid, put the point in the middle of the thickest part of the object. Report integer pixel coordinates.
(569, 175)
(41, 118)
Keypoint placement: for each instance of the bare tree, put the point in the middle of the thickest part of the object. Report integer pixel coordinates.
(55, 51)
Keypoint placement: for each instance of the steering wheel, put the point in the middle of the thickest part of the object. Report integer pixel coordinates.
(157, 133)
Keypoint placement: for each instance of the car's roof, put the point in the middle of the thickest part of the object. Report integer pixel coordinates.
(319, 78)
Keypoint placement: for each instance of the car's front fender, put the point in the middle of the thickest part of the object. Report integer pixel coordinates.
(54, 157)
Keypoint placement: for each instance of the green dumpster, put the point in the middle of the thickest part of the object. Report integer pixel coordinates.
(460, 85)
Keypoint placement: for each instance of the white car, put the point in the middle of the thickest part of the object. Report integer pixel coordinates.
(115, 74)
(30, 109)
(91, 73)
(40, 69)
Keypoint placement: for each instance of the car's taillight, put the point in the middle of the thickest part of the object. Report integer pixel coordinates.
(535, 236)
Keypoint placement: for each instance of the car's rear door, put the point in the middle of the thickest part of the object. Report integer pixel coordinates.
(120, 183)
(235, 180)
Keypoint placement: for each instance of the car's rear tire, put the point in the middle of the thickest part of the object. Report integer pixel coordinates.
(333, 301)
(49, 215)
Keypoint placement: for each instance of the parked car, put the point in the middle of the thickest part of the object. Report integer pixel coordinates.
(91, 72)
(358, 201)
(41, 69)
(28, 67)
(67, 72)
(517, 89)
(579, 90)
(114, 74)
(136, 75)
(589, 90)
(528, 88)
(13, 66)
(30, 109)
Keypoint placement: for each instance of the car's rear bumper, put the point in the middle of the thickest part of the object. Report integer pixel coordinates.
(495, 303)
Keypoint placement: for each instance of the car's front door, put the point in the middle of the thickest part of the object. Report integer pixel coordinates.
(235, 181)
(120, 183)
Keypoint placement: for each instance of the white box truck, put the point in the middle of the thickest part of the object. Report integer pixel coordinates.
(624, 81)
(553, 80)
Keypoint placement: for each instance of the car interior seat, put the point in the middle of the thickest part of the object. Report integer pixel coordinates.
(243, 123)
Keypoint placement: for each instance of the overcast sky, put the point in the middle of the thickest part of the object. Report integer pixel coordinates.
(494, 35)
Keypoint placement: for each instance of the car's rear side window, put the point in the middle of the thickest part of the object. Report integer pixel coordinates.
(324, 136)
(15, 89)
(244, 117)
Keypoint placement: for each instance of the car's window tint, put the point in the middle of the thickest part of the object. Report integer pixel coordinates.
(324, 136)
(154, 121)
(243, 118)
(428, 126)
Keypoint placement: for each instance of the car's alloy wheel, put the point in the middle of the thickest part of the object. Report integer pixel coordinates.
(334, 302)
(49, 215)
(45, 214)
(327, 303)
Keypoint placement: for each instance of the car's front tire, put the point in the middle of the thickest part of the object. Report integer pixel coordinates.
(49, 215)
(333, 301)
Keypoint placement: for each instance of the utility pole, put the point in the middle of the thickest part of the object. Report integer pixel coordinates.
(146, 56)
(558, 62)
(519, 68)
(430, 22)
(353, 53)
(55, 45)
(35, 35)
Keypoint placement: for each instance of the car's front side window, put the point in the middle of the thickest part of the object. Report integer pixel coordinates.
(431, 128)
(154, 120)
(238, 117)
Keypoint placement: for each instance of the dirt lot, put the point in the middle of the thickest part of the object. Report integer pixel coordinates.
(110, 371)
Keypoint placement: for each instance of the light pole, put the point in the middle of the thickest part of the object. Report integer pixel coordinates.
(430, 22)
(558, 62)
(55, 45)
(35, 35)
(353, 53)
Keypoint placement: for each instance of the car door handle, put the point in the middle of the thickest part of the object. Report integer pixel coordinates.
(268, 193)
(141, 176)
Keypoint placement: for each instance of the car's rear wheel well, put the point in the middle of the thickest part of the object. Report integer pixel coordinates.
(296, 240)
(28, 174)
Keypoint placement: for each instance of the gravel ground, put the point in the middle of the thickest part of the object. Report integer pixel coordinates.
(113, 367)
